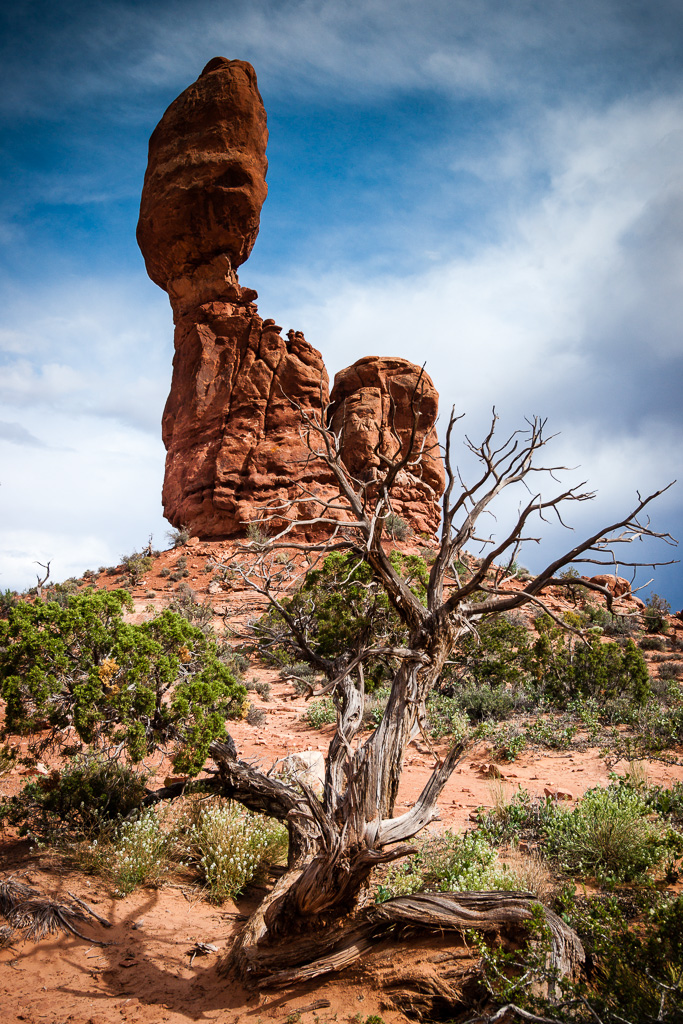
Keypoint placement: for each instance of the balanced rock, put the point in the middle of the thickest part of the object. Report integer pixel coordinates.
(385, 408)
(235, 420)
(206, 175)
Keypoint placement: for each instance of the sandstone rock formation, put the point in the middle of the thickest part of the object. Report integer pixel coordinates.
(206, 174)
(234, 441)
(373, 407)
(232, 436)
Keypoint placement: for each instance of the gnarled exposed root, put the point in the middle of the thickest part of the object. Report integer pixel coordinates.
(309, 955)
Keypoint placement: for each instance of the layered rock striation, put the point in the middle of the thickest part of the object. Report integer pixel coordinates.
(234, 422)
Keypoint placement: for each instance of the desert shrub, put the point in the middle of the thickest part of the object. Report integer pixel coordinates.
(449, 863)
(8, 600)
(255, 716)
(548, 732)
(185, 603)
(496, 657)
(77, 802)
(375, 704)
(178, 538)
(136, 565)
(671, 670)
(509, 741)
(139, 853)
(61, 593)
(321, 712)
(655, 613)
(230, 846)
(165, 571)
(396, 528)
(117, 683)
(8, 756)
(340, 608)
(514, 818)
(568, 668)
(637, 967)
(484, 704)
(260, 686)
(652, 643)
(257, 534)
(607, 835)
(588, 710)
(445, 716)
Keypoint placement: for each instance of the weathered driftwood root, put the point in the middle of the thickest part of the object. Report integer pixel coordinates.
(310, 955)
(35, 915)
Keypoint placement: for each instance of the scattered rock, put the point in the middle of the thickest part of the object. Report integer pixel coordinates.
(307, 766)
(616, 585)
(554, 793)
(37, 769)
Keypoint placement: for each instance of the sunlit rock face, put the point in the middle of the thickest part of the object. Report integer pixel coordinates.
(206, 175)
(382, 408)
(234, 422)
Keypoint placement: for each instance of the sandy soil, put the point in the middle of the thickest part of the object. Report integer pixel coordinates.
(144, 974)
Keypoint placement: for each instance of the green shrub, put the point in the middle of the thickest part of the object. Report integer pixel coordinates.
(117, 683)
(445, 716)
(230, 846)
(568, 668)
(139, 853)
(449, 863)
(8, 600)
(342, 608)
(136, 565)
(654, 616)
(549, 733)
(509, 742)
(637, 967)
(497, 657)
(518, 817)
(321, 712)
(608, 835)
(74, 801)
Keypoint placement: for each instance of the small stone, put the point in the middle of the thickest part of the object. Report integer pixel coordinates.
(554, 793)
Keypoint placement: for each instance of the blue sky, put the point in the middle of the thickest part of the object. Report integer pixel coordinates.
(492, 187)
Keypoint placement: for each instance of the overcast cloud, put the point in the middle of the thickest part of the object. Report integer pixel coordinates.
(495, 190)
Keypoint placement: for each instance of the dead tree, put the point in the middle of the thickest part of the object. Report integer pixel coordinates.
(310, 923)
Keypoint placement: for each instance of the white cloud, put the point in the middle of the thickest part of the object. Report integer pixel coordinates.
(82, 504)
(97, 347)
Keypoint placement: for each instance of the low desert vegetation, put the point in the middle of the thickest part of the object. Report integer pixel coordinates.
(118, 686)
